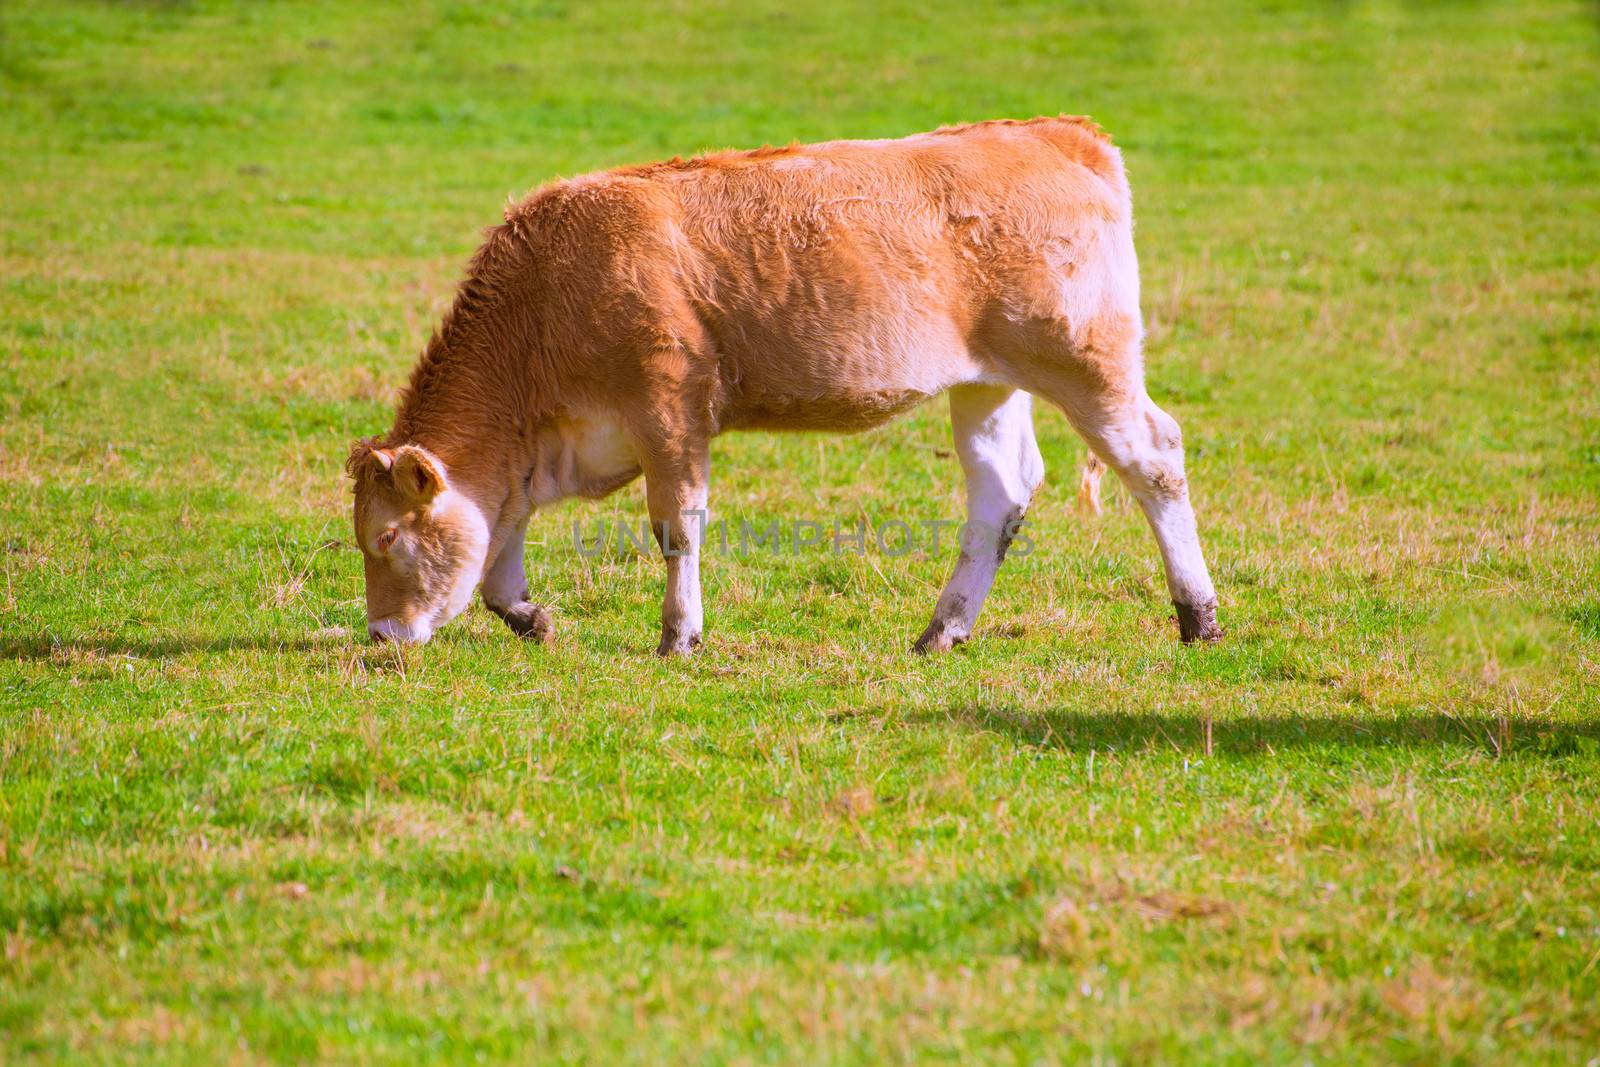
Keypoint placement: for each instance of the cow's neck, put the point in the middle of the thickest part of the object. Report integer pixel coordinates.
(479, 400)
(469, 406)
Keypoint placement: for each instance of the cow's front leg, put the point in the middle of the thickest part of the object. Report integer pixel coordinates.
(994, 437)
(505, 591)
(676, 488)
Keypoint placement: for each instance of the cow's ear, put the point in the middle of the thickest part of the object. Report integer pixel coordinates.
(366, 453)
(417, 474)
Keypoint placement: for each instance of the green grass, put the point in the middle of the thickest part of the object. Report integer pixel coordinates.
(1363, 828)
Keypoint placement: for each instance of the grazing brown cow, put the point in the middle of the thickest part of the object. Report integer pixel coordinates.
(619, 321)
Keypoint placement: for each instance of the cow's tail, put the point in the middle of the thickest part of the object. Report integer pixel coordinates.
(1089, 484)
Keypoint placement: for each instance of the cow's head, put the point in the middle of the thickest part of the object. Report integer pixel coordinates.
(422, 541)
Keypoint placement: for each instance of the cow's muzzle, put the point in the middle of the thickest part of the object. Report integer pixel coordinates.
(399, 631)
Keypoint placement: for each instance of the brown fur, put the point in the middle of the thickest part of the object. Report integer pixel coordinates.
(655, 275)
(826, 286)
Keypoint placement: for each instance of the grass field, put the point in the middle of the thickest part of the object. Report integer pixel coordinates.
(1365, 827)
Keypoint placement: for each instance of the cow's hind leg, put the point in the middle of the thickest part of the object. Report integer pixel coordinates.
(1143, 445)
(994, 438)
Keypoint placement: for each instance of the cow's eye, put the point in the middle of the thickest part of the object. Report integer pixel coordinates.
(387, 538)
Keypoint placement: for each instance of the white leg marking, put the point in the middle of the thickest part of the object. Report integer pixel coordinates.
(504, 583)
(678, 509)
(993, 428)
(1143, 445)
(505, 590)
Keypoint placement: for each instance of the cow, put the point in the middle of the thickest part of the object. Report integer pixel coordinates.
(618, 321)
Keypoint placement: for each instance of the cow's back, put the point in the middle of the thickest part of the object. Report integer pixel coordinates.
(833, 285)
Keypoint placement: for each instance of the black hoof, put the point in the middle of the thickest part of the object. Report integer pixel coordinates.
(528, 621)
(937, 638)
(1198, 623)
(673, 644)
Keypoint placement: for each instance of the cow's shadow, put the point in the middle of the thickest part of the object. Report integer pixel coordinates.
(48, 647)
(1068, 729)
